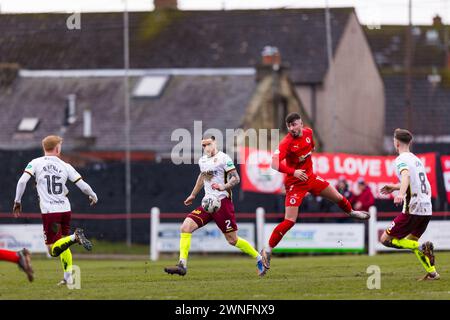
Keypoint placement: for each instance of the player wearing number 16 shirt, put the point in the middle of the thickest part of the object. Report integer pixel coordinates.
(51, 174)
(414, 192)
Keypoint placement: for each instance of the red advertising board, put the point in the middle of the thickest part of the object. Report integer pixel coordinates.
(445, 162)
(377, 171)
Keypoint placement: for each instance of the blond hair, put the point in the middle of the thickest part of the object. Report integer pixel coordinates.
(50, 142)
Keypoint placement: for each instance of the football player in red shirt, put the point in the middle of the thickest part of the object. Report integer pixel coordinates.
(22, 258)
(293, 158)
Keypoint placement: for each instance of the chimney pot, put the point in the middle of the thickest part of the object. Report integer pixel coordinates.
(437, 21)
(166, 4)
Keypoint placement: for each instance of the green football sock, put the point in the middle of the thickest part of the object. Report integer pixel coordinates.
(424, 261)
(185, 245)
(246, 247)
(61, 245)
(405, 243)
(66, 260)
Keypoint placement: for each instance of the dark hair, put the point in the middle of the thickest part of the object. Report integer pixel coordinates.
(209, 136)
(403, 135)
(291, 117)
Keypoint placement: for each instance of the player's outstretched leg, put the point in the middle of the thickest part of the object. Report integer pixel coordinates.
(22, 258)
(333, 195)
(66, 263)
(278, 233)
(25, 263)
(424, 253)
(188, 226)
(8, 255)
(247, 248)
(63, 244)
(426, 256)
(265, 255)
(181, 267)
(81, 239)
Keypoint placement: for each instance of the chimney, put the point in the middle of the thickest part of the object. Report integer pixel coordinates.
(437, 21)
(71, 110)
(86, 141)
(165, 4)
(87, 123)
(271, 57)
(8, 73)
(270, 62)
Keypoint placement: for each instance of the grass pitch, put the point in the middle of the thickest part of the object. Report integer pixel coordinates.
(232, 278)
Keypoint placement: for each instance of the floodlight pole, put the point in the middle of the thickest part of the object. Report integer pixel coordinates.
(408, 70)
(331, 101)
(126, 56)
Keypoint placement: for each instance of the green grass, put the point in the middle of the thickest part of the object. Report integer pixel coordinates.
(107, 247)
(233, 277)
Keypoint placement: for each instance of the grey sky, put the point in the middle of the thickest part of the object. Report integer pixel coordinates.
(369, 11)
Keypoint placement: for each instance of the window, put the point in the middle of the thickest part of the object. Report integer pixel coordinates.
(150, 86)
(28, 124)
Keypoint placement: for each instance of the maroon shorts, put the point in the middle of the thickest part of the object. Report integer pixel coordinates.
(405, 224)
(296, 192)
(224, 217)
(56, 225)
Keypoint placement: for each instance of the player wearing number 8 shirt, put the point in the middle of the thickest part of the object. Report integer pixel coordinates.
(414, 192)
(51, 174)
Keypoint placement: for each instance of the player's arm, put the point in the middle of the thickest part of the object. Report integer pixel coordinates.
(20, 189)
(232, 178)
(279, 164)
(404, 183)
(389, 188)
(87, 190)
(75, 177)
(198, 186)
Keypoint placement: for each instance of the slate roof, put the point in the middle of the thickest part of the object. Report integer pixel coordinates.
(218, 101)
(430, 106)
(174, 39)
(389, 42)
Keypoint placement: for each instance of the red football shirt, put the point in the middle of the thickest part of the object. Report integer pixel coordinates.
(290, 149)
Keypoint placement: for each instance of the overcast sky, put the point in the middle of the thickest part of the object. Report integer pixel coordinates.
(369, 11)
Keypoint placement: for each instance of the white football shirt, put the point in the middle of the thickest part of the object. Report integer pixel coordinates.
(215, 170)
(418, 195)
(51, 174)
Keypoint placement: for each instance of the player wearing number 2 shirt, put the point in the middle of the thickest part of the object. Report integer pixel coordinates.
(51, 174)
(218, 176)
(414, 192)
(293, 158)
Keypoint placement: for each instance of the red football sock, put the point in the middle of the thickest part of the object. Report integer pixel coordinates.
(8, 255)
(279, 231)
(345, 205)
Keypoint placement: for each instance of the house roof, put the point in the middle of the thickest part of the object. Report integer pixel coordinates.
(388, 45)
(217, 100)
(428, 102)
(430, 106)
(174, 39)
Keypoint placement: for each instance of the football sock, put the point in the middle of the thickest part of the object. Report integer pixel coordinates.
(61, 245)
(185, 245)
(345, 205)
(246, 247)
(279, 231)
(405, 243)
(424, 261)
(9, 255)
(66, 262)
